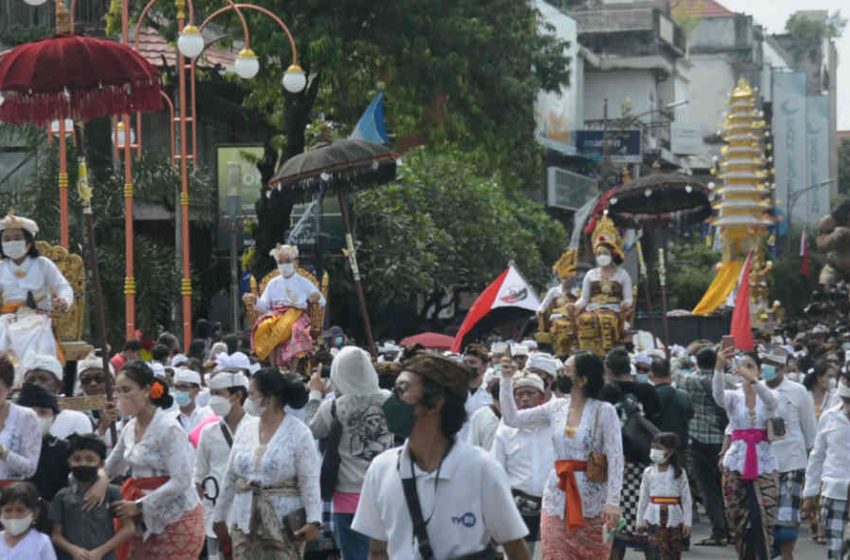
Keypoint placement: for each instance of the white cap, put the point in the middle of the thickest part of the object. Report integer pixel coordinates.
(491, 375)
(519, 350)
(530, 343)
(643, 359)
(17, 222)
(43, 362)
(542, 362)
(289, 251)
(178, 360)
(226, 380)
(158, 370)
(525, 379)
(774, 354)
(820, 329)
(92, 362)
(183, 375)
(237, 360)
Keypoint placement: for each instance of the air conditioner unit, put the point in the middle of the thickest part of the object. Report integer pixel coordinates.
(568, 190)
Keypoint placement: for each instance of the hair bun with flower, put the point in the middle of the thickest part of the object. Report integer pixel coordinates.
(157, 390)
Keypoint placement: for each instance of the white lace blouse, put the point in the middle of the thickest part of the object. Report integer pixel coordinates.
(290, 454)
(22, 438)
(663, 484)
(739, 419)
(164, 450)
(608, 439)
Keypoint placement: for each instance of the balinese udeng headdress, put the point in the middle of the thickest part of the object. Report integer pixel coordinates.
(11, 221)
(606, 233)
(566, 265)
(290, 251)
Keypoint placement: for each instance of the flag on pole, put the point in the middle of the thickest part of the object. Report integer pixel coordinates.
(509, 290)
(741, 324)
(805, 258)
(371, 125)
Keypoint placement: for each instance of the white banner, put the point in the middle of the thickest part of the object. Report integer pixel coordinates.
(789, 134)
(815, 203)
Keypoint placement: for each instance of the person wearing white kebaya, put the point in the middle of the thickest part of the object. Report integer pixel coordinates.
(270, 503)
(27, 280)
(827, 474)
(228, 393)
(20, 437)
(527, 456)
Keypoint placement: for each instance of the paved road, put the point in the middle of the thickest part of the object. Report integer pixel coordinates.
(806, 548)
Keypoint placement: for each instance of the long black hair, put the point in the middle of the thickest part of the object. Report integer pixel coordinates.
(670, 441)
(589, 367)
(29, 238)
(142, 375)
(821, 368)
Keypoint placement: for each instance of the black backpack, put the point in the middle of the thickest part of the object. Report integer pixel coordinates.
(637, 430)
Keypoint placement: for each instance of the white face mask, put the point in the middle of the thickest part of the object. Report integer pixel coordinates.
(286, 269)
(657, 456)
(15, 249)
(44, 424)
(16, 527)
(254, 409)
(220, 405)
(843, 391)
(603, 260)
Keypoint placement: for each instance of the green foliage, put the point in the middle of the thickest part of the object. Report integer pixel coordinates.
(691, 270)
(17, 34)
(156, 181)
(445, 226)
(801, 27)
(844, 167)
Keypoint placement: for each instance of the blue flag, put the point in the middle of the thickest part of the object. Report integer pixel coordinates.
(371, 125)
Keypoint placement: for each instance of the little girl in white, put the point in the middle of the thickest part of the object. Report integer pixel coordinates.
(665, 498)
(19, 540)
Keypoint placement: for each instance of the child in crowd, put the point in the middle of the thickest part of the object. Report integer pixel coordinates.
(19, 540)
(665, 498)
(77, 533)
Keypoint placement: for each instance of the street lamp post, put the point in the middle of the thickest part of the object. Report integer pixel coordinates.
(793, 197)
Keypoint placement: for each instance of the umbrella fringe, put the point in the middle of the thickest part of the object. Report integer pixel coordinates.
(42, 108)
(332, 175)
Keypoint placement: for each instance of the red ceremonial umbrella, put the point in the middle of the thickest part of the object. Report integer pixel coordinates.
(75, 77)
(434, 341)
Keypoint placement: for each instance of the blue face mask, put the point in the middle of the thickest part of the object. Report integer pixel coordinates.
(182, 398)
(642, 377)
(768, 372)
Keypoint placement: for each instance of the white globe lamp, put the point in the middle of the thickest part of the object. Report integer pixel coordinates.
(191, 42)
(294, 79)
(247, 65)
(34, 2)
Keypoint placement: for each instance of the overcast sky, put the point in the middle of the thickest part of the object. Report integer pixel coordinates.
(773, 13)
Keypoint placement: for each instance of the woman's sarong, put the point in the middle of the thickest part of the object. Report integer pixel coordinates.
(282, 335)
(751, 512)
(583, 543)
(182, 540)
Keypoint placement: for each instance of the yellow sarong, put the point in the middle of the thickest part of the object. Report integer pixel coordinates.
(273, 331)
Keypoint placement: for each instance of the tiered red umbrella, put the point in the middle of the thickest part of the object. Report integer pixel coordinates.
(74, 77)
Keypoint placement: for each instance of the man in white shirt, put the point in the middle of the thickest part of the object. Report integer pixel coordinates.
(827, 473)
(475, 358)
(458, 494)
(187, 385)
(228, 393)
(526, 455)
(797, 409)
(46, 371)
(485, 420)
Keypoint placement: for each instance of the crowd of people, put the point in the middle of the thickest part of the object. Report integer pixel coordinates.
(506, 450)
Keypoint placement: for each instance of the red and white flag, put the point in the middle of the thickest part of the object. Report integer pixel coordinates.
(805, 258)
(510, 289)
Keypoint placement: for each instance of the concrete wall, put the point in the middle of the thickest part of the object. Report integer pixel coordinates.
(639, 86)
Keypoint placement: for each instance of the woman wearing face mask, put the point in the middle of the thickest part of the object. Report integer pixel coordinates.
(576, 512)
(272, 475)
(52, 472)
(817, 381)
(20, 432)
(28, 283)
(283, 331)
(750, 469)
(159, 497)
(18, 511)
(358, 406)
(606, 294)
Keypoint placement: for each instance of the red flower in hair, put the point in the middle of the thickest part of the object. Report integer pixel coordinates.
(157, 390)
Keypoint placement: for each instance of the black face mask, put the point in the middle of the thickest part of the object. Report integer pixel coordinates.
(564, 384)
(84, 474)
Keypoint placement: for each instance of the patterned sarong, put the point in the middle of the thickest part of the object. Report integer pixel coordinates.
(583, 543)
(182, 540)
(281, 334)
(751, 512)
